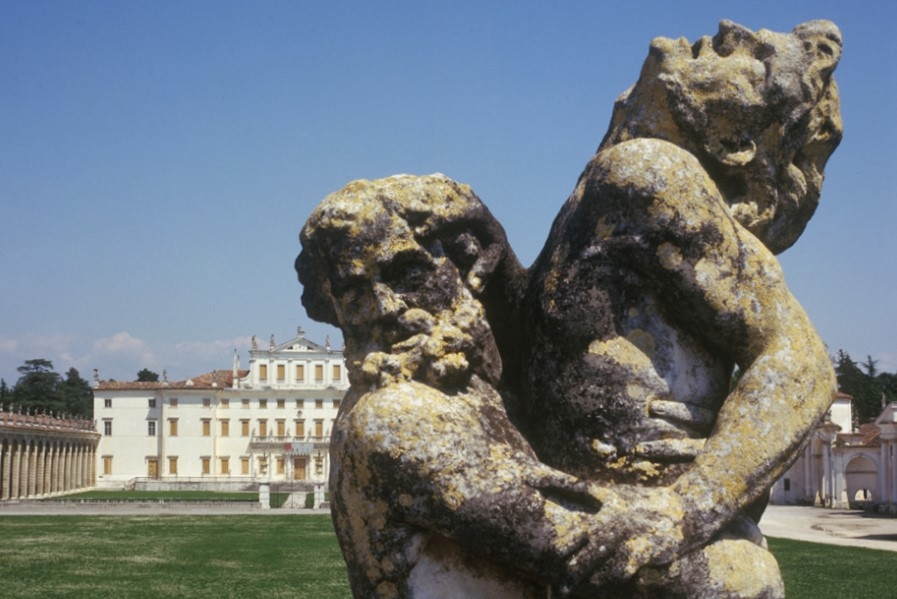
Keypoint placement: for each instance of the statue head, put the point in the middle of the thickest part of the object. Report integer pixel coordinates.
(760, 110)
(397, 264)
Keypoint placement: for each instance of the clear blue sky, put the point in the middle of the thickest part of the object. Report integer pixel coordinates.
(158, 159)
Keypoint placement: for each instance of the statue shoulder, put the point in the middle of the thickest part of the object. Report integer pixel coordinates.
(647, 166)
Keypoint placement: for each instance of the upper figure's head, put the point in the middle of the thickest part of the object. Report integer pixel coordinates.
(397, 264)
(760, 110)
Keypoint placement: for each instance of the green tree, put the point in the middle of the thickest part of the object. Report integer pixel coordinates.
(38, 387)
(147, 376)
(865, 390)
(77, 394)
(5, 393)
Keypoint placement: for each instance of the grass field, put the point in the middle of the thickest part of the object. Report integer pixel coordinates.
(288, 555)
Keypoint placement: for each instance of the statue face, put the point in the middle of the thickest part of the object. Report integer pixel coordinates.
(375, 287)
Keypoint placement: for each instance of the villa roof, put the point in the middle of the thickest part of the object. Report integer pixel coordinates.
(215, 379)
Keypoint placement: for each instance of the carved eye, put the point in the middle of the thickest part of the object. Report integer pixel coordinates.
(407, 273)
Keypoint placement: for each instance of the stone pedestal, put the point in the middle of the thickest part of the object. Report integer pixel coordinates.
(265, 496)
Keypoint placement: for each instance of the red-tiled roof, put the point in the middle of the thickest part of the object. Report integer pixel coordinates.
(220, 378)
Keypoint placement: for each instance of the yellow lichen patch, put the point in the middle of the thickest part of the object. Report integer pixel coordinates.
(623, 350)
(603, 230)
(669, 255)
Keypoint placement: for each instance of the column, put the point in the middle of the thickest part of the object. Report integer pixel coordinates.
(39, 468)
(5, 469)
(76, 466)
(48, 448)
(57, 468)
(826, 475)
(67, 468)
(31, 488)
(884, 485)
(16, 469)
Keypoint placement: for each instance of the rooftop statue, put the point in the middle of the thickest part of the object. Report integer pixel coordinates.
(572, 428)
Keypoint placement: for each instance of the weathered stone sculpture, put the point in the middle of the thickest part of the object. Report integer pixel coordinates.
(571, 428)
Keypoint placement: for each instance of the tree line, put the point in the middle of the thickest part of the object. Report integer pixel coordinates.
(41, 389)
(870, 388)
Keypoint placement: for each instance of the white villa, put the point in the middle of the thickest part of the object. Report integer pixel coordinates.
(224, 430)
(845, 468)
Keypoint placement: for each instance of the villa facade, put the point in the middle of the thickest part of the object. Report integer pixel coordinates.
(226, 429)
(845, 468)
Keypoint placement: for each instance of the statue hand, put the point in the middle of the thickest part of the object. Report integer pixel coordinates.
(635, 527)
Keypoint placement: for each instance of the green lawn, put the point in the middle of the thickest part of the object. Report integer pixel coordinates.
(813, 570)
(170, 556)
(288, 555)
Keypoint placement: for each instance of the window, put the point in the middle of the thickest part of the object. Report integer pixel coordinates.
(107, 464)
(172, 465)
(244, 403)
(173, 402)
(319, 428)
(319, 403)
(281, 404)
(225, 465)
(319, 373)
(263, 428)
(107, 403)
(263, 404)
(300, 428)
(107, 427)
(300, 373)
(263, 372)
(300, 404)
(281, 372)
(224, 403)
(207, 402)
(150, 428)
(206, 465)
(336, 403)
(787, 484)
(279, 464)
(281, 428)
(244, 465)
(151, 402)
(337, 372)
(173, 427)
(225, 428)
(206, 427)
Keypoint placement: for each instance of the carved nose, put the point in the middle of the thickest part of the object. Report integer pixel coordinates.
(388, 302)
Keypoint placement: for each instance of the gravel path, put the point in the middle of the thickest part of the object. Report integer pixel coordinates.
(832, 527)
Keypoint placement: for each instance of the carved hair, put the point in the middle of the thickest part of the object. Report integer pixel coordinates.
(760, 110)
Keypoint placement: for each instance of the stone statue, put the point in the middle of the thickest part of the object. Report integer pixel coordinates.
(573, 428)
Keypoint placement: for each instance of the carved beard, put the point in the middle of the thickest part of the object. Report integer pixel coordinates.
(442, 350)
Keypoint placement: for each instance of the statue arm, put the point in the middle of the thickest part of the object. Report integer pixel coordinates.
(454, 465)
(729, 290)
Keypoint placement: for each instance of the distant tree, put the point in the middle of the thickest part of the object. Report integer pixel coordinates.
(77, 394)
(870, 366)
(5, 393)
(38, 387)
(147, 376)
(887, 381)
(865, 390)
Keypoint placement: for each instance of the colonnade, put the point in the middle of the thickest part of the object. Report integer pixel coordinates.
(41, 456)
